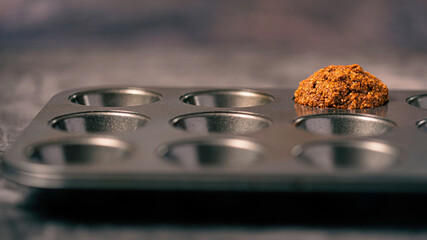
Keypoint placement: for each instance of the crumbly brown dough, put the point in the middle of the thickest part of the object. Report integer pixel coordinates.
(342, 87)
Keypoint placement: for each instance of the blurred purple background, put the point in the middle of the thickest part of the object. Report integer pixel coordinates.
(330, 25)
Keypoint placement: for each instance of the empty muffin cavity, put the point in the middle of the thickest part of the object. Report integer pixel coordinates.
(227, 98)
(100, 122)
(80, 151)
(221, 122)
(212, 153)
(419, 101)
(348, 155)
(422, 125)
(115, 97)
(344, 124)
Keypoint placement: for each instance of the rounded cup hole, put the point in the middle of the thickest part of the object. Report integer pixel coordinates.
(422, 124)
(212, 153)
(87, 151)
(418, 101)
(357, 155)
(115, 97)
(344, 124)
(227, 98)
(99, 122)
(221, 122)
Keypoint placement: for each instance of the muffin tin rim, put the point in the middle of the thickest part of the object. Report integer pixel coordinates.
(421, 123)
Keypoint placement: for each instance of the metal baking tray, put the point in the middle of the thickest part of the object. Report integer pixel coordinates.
(197, 139)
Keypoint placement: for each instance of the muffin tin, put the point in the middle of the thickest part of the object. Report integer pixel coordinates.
(197, 139)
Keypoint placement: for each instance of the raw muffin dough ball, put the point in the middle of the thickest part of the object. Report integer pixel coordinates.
(342, 87)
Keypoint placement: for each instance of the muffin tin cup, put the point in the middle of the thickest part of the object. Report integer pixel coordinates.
(345, 124)
(99, 122)
(422, 125)
(419, 101)
(115, 97)
(195, 139)
(221, 122)
(227, 98)
(354, 155)
(79, 152)
(212, 153)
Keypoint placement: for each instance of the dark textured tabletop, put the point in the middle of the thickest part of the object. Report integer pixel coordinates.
(42, 54)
